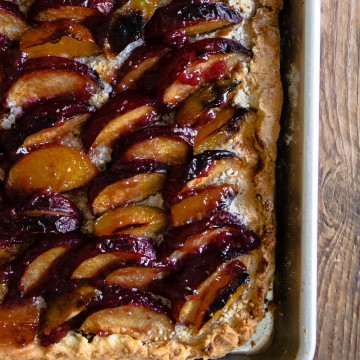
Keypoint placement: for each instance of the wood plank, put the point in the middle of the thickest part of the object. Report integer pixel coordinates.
(339, 183)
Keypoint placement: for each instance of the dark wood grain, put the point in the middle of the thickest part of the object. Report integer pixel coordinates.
(339, 183)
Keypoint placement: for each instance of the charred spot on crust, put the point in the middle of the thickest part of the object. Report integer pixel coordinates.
(124, 30)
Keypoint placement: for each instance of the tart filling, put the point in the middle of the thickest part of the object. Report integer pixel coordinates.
(137, 149)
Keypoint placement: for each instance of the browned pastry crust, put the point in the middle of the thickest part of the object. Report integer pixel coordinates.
(238, 320)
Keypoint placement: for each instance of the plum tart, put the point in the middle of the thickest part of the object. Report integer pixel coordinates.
(137, 151)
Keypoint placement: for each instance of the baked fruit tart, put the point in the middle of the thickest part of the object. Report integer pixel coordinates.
(137, 150)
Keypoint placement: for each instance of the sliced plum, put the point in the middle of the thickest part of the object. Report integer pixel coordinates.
(190, 19)
(42, 213)
(126, 183)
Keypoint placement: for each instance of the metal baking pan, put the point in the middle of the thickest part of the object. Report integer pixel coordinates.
(295, 290)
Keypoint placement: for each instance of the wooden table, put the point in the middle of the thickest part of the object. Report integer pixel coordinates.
(339, 183)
